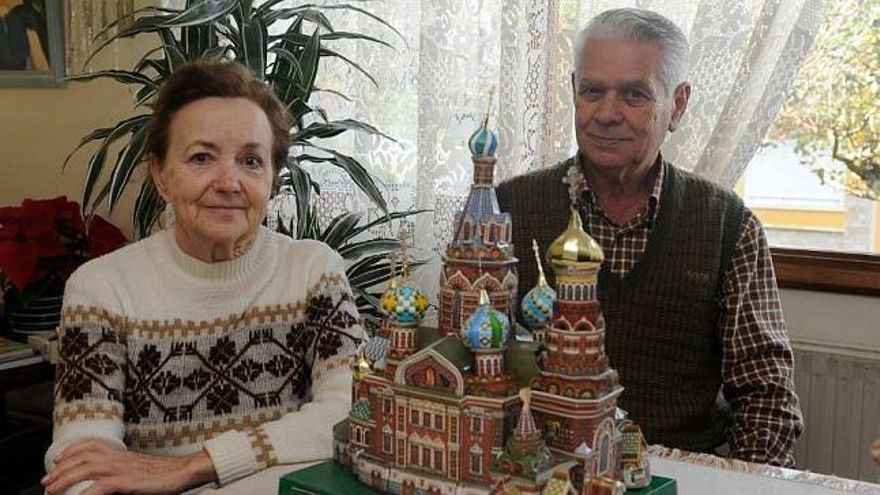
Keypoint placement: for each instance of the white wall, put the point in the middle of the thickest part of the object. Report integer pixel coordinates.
(847, 323)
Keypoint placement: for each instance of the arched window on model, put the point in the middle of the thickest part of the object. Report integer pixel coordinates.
(476, 464)
(604, 445)
(386, 440)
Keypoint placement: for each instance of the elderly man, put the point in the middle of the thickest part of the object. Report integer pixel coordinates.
(688, 290)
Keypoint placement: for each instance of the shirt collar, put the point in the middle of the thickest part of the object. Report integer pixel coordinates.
(579, 187)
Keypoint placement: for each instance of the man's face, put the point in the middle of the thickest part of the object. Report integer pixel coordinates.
(622, 112)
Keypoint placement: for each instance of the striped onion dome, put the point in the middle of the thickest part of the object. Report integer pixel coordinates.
(483, 142)
(487, 328)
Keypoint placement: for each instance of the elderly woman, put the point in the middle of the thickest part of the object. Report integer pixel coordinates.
(214, 348)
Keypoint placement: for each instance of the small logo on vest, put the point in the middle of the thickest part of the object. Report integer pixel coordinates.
(697, 276)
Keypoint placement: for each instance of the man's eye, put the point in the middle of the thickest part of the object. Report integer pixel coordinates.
(591, 92)
(637, 96)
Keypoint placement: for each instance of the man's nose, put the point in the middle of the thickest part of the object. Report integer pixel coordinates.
(608, 111)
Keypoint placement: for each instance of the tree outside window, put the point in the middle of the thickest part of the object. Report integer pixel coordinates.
(816, 180)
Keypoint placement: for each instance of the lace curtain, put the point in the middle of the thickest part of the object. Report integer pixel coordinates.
(433, 91)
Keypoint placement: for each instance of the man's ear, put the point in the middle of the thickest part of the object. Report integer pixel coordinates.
(680, 102)
(158, 177)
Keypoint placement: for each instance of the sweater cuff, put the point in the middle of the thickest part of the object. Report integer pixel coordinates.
(232, 456)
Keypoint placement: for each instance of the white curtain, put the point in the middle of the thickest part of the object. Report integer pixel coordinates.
(434, 90)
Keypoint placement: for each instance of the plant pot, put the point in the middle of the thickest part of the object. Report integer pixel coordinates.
(38, 314)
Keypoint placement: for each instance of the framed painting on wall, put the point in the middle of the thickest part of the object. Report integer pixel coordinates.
(31, 43)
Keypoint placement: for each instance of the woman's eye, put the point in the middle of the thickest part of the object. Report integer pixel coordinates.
(253, 161)
(200, 158)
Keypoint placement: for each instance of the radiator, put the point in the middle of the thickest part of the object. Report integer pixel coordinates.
(839, 390)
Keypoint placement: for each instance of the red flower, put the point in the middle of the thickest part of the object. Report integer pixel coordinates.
(44, 238)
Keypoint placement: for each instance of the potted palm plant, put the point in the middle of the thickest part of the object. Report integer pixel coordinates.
(289, 63)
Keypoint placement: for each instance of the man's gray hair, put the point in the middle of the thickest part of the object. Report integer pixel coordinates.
(643, 26)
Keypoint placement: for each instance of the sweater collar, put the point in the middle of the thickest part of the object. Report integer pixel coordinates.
(231, 270)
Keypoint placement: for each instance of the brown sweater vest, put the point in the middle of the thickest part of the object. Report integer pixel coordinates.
(663, 317)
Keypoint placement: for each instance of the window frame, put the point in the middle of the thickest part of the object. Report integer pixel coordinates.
(827, 271)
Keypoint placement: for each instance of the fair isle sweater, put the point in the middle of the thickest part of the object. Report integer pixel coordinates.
(247, 359)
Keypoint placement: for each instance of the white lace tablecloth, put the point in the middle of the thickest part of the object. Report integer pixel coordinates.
(694, 473)
(709, 474)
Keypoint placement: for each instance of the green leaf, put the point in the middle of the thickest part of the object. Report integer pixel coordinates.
(307, 218)
(338, 232)
(332, 92)
(352, 167)
(98, 159)
(132, 156)
(147, 208)
(160, 66)
(330, 53)
(308, 14)
(134, 15)
(204, 12)
(346, 35)
(123, 76)
(334, 128)
(145, 24)
(368, 14)
(95, 135)
(198, 39)
(309, 63)
(387, 218)
(300, 39)
(173, 53)
(267, 6)
(253, 47)
(355, 250)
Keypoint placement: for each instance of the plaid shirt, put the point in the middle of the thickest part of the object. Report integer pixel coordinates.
(757, 362)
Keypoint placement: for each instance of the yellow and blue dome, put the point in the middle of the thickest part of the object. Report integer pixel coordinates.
(404, 304)
(487, 328)
(483, 142)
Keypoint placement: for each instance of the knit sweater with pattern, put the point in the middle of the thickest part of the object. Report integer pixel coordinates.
(247, 359)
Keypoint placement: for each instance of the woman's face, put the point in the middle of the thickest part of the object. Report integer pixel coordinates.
(217, 173)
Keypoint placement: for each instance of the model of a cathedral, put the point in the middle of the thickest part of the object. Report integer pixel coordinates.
(480, 255)
(470, 409)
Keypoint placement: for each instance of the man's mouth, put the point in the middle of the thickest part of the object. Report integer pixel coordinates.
(608, 140)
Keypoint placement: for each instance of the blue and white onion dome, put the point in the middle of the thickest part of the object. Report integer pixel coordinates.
(404, 303)
(483, 142)
(537, 304)
(487, 328)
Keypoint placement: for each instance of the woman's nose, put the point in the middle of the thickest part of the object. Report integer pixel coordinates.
(228, 178)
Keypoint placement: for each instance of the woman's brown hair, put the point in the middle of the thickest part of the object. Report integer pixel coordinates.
(216, 78)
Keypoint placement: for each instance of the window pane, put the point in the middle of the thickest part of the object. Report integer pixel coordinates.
(814, 182)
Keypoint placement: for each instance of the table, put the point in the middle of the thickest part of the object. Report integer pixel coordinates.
(694, 473)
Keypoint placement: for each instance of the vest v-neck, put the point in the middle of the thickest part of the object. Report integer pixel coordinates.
(662, 225)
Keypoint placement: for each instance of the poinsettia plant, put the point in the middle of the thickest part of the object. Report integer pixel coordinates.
(43, 241)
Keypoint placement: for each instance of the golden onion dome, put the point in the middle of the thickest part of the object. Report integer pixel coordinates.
(575, 245)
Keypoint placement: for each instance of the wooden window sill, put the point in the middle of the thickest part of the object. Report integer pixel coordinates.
(827, 271)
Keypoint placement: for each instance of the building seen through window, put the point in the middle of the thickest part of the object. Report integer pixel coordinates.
(815, 181)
